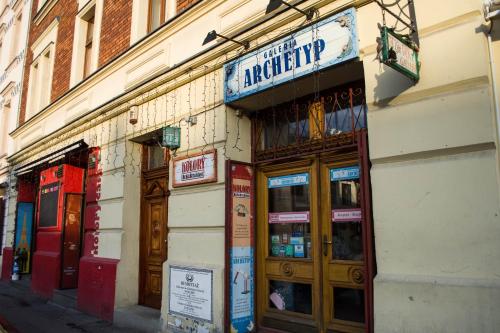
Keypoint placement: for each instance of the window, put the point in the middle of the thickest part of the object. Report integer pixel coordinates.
(41, 70)
(41, 3)
(156, 16)
(85, 58)
(16, 36)
(87, 64)
(40, 74)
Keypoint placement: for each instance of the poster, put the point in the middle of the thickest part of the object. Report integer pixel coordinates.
(190, 292)
(241, 249)
(24, 232)
(195, 169)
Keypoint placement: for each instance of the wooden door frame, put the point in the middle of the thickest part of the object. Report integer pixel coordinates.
(361, 149)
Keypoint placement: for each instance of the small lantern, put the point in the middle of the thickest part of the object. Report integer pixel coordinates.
(132, 114)
(171, 137)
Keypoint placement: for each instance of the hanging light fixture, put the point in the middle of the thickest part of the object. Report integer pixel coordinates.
(275, 4)
(133, 114)
(212, 35)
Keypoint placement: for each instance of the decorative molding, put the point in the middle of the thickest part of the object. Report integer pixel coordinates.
(42, 12)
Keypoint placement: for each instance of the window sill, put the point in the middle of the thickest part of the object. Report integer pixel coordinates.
(42, 12)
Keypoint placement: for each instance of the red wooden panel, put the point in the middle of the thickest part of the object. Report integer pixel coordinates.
(45, 275)
(7, 261)
(96, 290)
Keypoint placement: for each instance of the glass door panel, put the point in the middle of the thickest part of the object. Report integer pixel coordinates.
(343, 253)
(287, 222)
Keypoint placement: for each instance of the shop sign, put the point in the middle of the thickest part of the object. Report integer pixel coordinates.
(348, 173)
(289, 217)
(346, 215)
(288, 180)
(171, 137)
(190, 292)
(241, 278)
(24, 231)
(323, 44)
(399, 54)
(195, 169)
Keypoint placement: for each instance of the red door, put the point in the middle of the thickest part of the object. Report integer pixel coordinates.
(71, 240)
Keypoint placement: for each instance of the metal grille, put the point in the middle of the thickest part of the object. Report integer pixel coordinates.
(309, 125)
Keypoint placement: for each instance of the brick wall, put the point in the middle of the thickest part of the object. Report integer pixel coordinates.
(183, 4)
(66, 10)
(115, 29)
(115, 38)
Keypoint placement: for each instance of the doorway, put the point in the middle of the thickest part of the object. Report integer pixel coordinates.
(311, 245)
(153, 226)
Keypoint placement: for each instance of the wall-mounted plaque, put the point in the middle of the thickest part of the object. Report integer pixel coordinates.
(195, 169)
(190, 292)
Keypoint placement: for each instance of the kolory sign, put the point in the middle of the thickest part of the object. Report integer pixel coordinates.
(321, 45)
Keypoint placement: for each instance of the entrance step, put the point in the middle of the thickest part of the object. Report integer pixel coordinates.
(139, 318)
(65, 298)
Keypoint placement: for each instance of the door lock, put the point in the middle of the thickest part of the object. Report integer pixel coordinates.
(325, 245)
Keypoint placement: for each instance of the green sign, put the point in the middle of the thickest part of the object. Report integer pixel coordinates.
(400, 53)
(171, 137)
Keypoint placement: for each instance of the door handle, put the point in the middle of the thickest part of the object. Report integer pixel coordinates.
(325, 245)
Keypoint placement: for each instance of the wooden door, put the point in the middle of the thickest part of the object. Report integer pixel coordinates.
(288, 248)
(310, 246)
(154, 233)
(71, 240)
(344, 251)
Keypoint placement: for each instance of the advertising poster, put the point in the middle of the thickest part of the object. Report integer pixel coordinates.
(24, 231)
(241, 249)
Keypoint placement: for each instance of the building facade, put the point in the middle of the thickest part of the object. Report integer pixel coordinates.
(13, 38)
(242, 165)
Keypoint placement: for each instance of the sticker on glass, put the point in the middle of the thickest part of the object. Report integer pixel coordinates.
(348, 173)
(289, 180)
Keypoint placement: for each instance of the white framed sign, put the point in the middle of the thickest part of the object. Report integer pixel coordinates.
(190, 292)
(195, 169)
(326, 43)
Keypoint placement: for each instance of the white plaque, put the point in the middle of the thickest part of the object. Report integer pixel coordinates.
(190, 292)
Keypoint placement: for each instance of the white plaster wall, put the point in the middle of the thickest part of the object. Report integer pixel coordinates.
(435, 186)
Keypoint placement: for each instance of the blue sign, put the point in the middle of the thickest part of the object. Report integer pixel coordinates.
(323, 44)
(348, 173)
(288, 180)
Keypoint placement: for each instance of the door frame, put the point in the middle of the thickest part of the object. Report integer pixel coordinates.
(360, 150)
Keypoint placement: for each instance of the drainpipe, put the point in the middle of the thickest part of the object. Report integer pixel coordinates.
(492, 13)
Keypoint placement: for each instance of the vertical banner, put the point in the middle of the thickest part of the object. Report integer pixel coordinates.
(24, 232)
(240, 277)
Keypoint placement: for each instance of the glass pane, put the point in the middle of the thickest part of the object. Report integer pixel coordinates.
(346, 213)
(156, 157)
(349, 304)
(286, 126)
(289, 216)
(155, 14)
(289, 296)
(340, 120)
(347, 241)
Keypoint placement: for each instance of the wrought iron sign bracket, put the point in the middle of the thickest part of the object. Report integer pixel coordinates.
(412, 25)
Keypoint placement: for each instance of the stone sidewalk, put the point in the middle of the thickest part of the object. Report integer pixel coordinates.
(23, 312)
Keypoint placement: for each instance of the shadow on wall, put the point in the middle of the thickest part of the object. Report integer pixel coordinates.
(390, 84)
